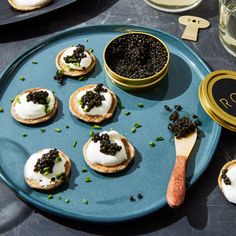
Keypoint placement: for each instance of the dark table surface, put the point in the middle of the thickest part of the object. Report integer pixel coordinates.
(205, 211)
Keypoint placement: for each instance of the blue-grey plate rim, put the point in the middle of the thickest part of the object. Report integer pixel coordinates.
(54, 211)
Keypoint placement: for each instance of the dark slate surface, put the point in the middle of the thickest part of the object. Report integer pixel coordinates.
(205, 211)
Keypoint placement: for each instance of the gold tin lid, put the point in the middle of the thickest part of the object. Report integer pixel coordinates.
(217, 94)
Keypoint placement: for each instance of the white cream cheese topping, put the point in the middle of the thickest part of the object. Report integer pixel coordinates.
(103, 109)
(44, 180)
(94, 156)
(30, 3)
(85, 62)
(30, 110)
(230, 190)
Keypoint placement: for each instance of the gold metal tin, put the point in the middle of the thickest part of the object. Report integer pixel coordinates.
(209, 103)
(135, 84)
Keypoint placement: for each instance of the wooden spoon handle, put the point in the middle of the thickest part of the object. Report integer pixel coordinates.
(177, 185)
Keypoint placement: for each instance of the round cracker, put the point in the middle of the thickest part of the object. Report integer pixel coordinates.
(42, 119)
(227, 166)
(91, 118)
(56, 183)
(130, 151)
(70, 72)
(24, 8)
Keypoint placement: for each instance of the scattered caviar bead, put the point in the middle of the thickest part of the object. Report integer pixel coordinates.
(46, 163)
(106, 146)
(139, 196)
(24, 135)
(195, 116)
(227, 181)
(53, 179)
(131, 198)
(40, 97)
(136, 56)
(197, 122)
(224, 171)
(178, 107)
(174, 116)
(67, 126)
(60, 77)
(167, 108)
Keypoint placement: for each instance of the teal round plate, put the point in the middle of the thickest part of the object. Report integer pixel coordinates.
(149, 173)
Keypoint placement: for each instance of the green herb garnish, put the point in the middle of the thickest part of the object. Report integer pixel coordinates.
(35, 62)
(46, 172)
(58, 130)
(127, 113)
(24, 135)
(59, 198)
(91, 133)
(133, 130)
(152, 144)
(67, 200)
(1, 109)
(111, 129)
(22, 78)
(137, 125)
(46, 169)
(88, 179)
(43, 130)
(17, 99)
(159, 139)
(140, 105)
(80, 102)
(12, 99)
(82, 78)
(84, 170)
(58, 159)
(97, 127)
(74, 144)
(91, 50)
(76, 64)
(50, 196)
(60, 176)
(85, 201)
(47, 109)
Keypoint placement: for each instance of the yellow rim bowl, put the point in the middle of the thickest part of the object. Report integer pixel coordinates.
(135, 87)
(141, 81)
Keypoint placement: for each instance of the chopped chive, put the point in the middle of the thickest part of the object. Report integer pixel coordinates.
(137, 125)
(80, 102)
(88, 179)
(50, 196)
(133, 130)
(67, 200)
(85, 201)
(152, 144)
(46, 169)
(140, 105)
(82, 78)
(67, 126)
(53, 91)
(1, 109)
(74, 144)
(127, 113)
(58, 130)
(24, 135)
(91, 133)
(86, 40)
(12, 99)
(46, 172)
(59, 198)
(84, 170)
(111, 129)
(58, 159)
(97, 127)
(159, 139)
(91, 50)
(22, 78)
(35, 62)
(119, 103)
(43, 130)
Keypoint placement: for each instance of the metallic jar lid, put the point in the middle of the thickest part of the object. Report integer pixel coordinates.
(217, 94)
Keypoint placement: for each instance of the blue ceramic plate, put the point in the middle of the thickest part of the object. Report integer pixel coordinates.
(148, 174)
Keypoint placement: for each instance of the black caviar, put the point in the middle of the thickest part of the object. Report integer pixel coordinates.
(181, 126)
(60, 77)
(45, 164)
(40, 97)
(136, 56)
(93, 98)
(225, 178)
(106, 146)
(77, 56)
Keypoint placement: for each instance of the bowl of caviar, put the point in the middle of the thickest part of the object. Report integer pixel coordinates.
(136, 59)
